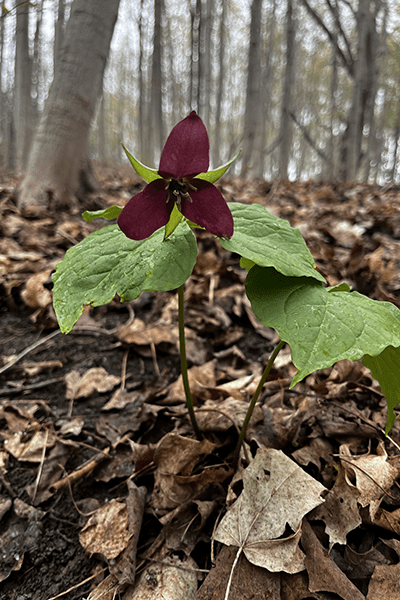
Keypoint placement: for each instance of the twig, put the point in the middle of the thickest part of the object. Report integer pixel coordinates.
(40, 466)
(81, 472)
(29, 349)
(26, 388)
(74, 587)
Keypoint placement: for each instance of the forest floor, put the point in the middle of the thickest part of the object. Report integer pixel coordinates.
(101, 477)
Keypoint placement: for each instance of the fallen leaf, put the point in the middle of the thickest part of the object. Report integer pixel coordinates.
(175, 455)
(248, 583)
(106, 531)
(323, 574)
(125, 567)
(276, 493)
(169, 578)
(374, 473)
(94, 380)
(384, 584)
(340, 511)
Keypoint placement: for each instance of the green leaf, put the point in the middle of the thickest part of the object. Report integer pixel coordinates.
(213, 176)
(112, 212)
(385, 368)
(107, 263)
(174, 220)
(321, 326)
(269, 242)
(145, 172)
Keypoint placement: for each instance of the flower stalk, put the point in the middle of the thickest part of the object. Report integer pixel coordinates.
(184, 369)
(252, 404)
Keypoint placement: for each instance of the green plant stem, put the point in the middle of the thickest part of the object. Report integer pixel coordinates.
(255, 398)
(184, 369)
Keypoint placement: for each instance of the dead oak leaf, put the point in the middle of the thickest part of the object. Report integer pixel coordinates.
(374, 474)
(276, 493)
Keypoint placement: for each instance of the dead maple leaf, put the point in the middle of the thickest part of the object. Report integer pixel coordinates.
(276, 493)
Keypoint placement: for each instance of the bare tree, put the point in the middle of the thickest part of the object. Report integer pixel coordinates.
(362, 66)
(23, 108)
(253, 114)
(59, 152)
(285, 133)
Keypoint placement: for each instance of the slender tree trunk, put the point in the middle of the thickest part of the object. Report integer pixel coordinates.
(252, 115)
(266, 86)
(3, 116)
(195, 73)
(216, 149)
(205, 62)
(285, 134)
(23, 110)
(58, 33)
(59, 152)
(156, 96)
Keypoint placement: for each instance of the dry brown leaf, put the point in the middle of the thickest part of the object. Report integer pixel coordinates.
(374, 474)
(125, 567)
(120, 399)
(106, 590)
(93, 380)
(211, 415)
(276, 493)
(323, 574)
(176, 454)
(249, 582)
(168, 578)
(384, 584)
(34, 294)
(340, 510)
(28, 447)
(106, 531)
(201, 378)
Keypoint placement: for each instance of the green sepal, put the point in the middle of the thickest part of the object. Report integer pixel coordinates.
(213, 176)
(112, 212)
(144, 172)
(246, 263)
(174, 220)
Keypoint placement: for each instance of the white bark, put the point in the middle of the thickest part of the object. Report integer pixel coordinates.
(59, 150)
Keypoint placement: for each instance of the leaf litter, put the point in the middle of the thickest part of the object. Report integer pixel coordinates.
(105, 493)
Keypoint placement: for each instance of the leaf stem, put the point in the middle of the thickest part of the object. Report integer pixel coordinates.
(257, 393)
(184, 369)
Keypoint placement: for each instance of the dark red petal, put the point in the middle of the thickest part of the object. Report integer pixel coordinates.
(146, 212)
(186, 151)
(208, 209)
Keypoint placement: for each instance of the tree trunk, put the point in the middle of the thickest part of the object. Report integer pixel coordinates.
(216, 148)
(59, 152)
(156, 81)
(58, 33)
(252, 115)
(285, 126)
(23, 109)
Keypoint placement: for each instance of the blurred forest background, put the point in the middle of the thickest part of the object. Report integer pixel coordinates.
(307, 88)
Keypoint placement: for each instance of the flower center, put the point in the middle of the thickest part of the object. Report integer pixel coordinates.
(177, 191)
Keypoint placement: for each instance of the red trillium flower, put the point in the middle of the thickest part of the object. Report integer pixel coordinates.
(184, 156)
